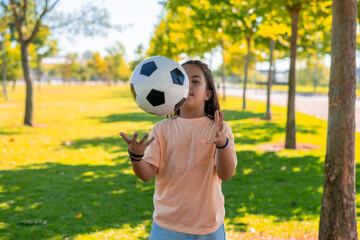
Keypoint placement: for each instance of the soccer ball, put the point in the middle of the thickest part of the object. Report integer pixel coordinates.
(159, 85)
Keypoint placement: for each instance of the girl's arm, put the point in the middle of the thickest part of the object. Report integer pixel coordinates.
(143, 170)
(225, 162)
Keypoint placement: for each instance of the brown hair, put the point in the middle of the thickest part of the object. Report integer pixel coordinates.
(212, 104)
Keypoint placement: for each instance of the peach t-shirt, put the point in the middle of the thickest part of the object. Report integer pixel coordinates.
(188, 195)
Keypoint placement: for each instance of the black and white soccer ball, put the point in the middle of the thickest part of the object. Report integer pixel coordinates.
(159, 85)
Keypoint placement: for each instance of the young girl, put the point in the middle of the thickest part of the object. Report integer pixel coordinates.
(191, 153)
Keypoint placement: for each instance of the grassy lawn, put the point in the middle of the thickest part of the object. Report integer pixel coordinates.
(70, 178)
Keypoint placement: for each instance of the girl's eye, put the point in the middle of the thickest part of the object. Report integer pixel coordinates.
(195, 81)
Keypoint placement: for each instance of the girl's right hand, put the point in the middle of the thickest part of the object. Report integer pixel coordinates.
(134, 146)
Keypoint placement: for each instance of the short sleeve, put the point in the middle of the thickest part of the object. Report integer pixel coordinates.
(152, 152)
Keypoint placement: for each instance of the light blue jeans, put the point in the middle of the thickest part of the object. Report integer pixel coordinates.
(159, 233)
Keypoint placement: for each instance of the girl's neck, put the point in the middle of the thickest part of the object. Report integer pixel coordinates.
(186, 113)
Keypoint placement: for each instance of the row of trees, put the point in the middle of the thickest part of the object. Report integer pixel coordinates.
(245, 31)
(273, 29)
(92, 66)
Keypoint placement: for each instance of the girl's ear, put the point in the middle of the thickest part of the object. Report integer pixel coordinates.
(208, 94)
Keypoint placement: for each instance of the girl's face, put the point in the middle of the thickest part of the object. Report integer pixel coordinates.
(198, 92)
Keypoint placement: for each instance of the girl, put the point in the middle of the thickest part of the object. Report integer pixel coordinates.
(191, 153)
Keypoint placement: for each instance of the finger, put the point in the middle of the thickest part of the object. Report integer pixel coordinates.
(221, 121)
(221, 116)
(216, 116)
(134, 138)
(144, 138)
(125, 137)
(211, 140)
(149, 142)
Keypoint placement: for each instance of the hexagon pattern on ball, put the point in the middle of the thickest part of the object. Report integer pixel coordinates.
(156, 98)
(177, 76)
(159, 85)
(148, 68)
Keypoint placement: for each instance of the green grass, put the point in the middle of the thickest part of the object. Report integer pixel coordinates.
(70, 176)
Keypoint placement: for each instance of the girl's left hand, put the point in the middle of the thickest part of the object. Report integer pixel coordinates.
(220, 136)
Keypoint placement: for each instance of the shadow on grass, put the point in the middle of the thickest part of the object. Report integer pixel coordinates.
(270, 185)
(262, 131)
(265, 184)
(47, 200)
(240, 115)
(111, 144)
(108, 197)
(9, 133)
(142, 116)
(130, 117)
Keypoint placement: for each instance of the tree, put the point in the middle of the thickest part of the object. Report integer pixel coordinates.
(140, 56)
(4, 18)
(273, 28)
(314, 39)
(183, 30)
(248, 16)
(70, 68)
(28, 16)
(294, 7)
(3, 69)
(44, 47)
(195, 28)
(290, 140)
(270, 79)
(98, 66)
(338, 209)
(26, 35)
(117, 68)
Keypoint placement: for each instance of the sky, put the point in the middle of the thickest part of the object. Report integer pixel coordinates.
(138, 16)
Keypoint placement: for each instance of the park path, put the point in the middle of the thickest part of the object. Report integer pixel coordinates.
(312, 104)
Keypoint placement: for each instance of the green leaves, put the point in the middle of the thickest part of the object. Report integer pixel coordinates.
(196, 27)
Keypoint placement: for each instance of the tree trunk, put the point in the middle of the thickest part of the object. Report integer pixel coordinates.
(4, 68)
(28, 118)
(246, 70)
(223, 69)
(315, 77)
(5, 85)
(338, 209)
(290, 141)
(270, 79)
(38, 70)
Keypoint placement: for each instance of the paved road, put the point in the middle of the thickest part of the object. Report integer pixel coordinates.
(311, 104)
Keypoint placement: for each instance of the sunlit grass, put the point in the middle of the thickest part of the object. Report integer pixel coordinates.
(69, 177)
